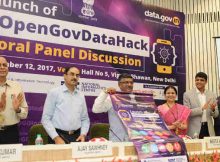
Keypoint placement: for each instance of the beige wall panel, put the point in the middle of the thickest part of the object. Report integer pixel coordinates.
(214, 58)
(200, 49)
(208, 54)
(189, 54)
(187, 44)
(205, 46)
(193, 49)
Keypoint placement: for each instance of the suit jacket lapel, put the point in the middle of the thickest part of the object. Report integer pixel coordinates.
(207, 94)
(196, 98)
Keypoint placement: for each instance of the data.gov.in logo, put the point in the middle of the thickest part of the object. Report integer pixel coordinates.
(87, 9)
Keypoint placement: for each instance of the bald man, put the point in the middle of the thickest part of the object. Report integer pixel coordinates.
(13, 106)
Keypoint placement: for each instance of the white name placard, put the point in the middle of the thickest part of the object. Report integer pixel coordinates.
(181, 158)
(91, 149)
(213, 142)
(11, 152)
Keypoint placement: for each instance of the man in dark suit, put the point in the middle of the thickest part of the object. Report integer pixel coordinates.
(203, 105)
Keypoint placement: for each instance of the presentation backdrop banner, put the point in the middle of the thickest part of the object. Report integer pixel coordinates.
(102, 38)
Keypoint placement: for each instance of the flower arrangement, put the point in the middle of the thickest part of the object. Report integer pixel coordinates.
(214, 157)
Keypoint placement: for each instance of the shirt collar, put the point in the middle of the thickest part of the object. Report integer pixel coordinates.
(65, 89)
(198, 92)
(7, 83)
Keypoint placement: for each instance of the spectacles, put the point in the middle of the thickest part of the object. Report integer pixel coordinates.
(73, 74)
(4, 65)
(127, 82)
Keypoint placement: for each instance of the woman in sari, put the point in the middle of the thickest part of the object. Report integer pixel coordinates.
(175, 115)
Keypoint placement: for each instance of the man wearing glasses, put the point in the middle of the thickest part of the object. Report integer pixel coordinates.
(65, 117)
(117, 132)
(13, 106)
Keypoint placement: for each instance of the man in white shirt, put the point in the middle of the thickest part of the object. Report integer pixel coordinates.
(203, 105)
(103, 103)
(13, 106)
(65, 116)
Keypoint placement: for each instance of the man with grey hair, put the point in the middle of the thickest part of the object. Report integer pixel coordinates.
(13, 106)
(65, 116)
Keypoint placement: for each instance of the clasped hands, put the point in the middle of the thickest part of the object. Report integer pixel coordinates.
(2, 102)
(60, 140)
(16, 101)
(179, 124)
(210, 105)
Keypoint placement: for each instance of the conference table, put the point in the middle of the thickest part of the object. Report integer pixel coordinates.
(120, 151)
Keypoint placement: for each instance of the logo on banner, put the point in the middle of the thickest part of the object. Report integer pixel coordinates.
(164, 56)
(87, 9)
(162, 18)
(124, 115)
(176, 21)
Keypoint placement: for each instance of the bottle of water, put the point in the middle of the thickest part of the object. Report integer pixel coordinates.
(39, 140)
(195, 135)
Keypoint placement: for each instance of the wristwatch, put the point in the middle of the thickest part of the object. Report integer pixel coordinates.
(18, 110)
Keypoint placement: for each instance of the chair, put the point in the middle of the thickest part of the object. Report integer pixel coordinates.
(99, 130)
(34, 130)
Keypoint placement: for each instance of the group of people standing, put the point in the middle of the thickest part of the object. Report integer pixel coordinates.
(194, 117)
(65, 115)
(202, 108)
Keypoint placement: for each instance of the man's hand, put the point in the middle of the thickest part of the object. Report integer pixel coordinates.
(3, 102)
(213, 105)
(58, 140)
(16, 101)
(110, 90)
(207, 104)
(81, 138)
(210, 105)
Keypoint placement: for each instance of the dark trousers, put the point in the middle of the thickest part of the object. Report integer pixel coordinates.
(204, 132)
(217, 122)
(9, 134)
(217, 130)
(66, 136)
